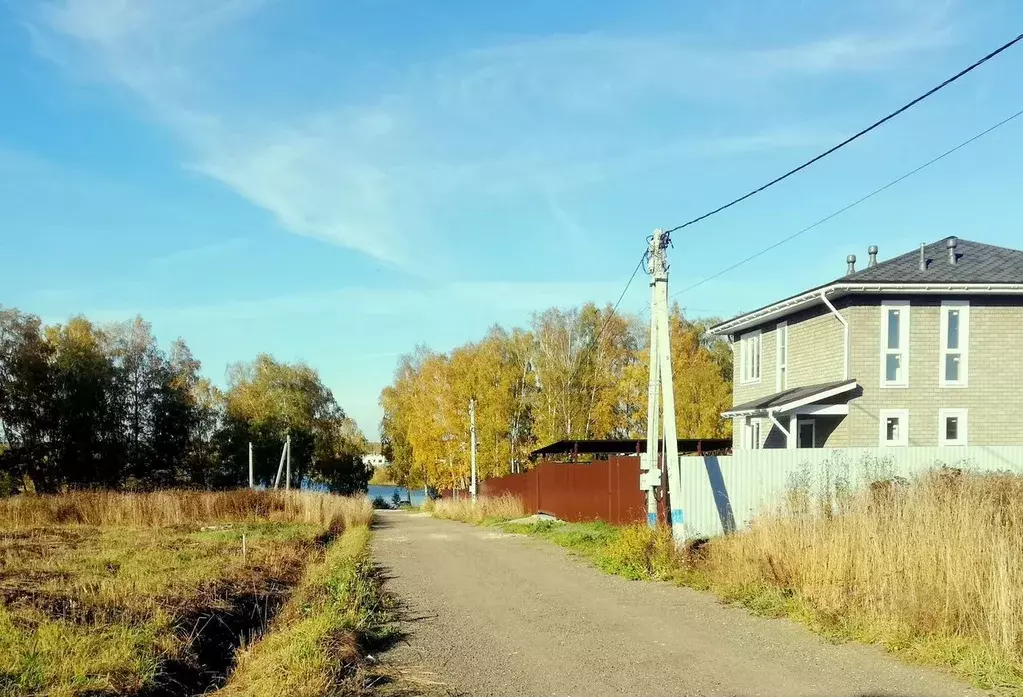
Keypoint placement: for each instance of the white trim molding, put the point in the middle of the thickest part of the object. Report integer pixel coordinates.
(902, 434)
(902, 308)
(962, 427)
(753, 432)
(836, 290)
(959, 355)
(781, 362)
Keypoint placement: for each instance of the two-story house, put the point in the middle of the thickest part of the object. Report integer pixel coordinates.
(925, 349)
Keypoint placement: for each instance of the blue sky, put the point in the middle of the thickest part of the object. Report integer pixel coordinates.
(335, 181)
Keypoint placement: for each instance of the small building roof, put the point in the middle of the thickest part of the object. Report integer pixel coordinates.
(794, 397)
(627, 446)
(980, 266)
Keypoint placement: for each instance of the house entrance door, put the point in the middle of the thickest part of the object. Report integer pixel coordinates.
(805, 434)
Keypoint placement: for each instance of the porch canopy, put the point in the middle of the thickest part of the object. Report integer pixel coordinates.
(827, 399)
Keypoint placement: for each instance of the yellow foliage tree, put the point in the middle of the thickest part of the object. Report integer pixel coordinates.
(578, 373)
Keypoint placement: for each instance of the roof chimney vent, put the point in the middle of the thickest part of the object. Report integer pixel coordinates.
(923, 258)
(851, 261)
(872, 253)
(951, 244)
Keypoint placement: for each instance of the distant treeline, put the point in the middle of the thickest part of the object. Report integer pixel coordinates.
(89, 406)
(576, 373)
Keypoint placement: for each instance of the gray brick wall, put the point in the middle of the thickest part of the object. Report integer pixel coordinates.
(993, 398)
(816, 346)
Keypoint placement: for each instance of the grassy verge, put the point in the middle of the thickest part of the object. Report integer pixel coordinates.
(107, 594)
(312, 647)
(930, 569)
(483, 511)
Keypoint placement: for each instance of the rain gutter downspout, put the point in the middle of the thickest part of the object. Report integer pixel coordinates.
(845, 333)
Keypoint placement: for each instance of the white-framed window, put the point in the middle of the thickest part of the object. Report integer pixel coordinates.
(952, 427)
(753, 441)
(955, 343)
(895, 343)
(894, 429)
(781, 334)
(749, 349)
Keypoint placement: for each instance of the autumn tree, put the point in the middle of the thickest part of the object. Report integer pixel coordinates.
(576, 373)
(87, 445)
(89, 406)
(27, 401)
(267, 401)
(701, 389)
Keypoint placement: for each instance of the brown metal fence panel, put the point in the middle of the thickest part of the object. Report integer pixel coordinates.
(605, 490)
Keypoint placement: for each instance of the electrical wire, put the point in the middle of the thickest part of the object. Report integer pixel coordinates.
(607, 320)
(855, 203)
(850, 139)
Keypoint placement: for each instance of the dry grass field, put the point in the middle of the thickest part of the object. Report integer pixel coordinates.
(930, 568)
(484, 509)
(130, 594)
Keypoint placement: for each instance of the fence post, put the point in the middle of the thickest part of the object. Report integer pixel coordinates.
(610, 493)
(537, 486)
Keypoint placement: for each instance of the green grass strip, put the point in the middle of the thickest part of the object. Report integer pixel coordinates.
(311, 649)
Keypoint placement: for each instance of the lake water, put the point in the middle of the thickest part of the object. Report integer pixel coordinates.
(388, 491)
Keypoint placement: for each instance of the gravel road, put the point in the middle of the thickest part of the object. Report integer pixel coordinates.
(490, 614)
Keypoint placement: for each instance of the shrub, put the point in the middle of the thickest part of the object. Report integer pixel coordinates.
(639, 551)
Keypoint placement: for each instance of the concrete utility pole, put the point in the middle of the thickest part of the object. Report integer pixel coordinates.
(252, 482)
(280, 466)
(472, 446)
(287, 449)
(661, 392)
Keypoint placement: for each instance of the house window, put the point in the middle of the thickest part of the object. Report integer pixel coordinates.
(952, 427)
(895, 343)
(894, 427)
(955, 343)
(753, 441)
(750, 350)
(782, 334)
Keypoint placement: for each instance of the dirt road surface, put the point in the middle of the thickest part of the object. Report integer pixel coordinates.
(490, 614)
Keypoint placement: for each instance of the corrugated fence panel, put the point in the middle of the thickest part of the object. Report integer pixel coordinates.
(629, 499)
(722, 493)
(575, 492)
(605, 490)
(522, 486)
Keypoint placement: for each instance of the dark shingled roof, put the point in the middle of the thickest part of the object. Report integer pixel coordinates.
(628, 446)
(976, 263)
(787, 396)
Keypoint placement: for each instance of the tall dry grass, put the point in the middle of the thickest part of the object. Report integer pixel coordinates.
(938, 557)
(179, 507)
(484, 508)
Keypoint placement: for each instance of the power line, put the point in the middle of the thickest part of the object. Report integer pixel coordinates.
(850, 139)
(607, 320)
(855, 203)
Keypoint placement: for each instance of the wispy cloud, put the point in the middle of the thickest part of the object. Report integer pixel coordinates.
(531, 117)
(491, 298)
(198, 255)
